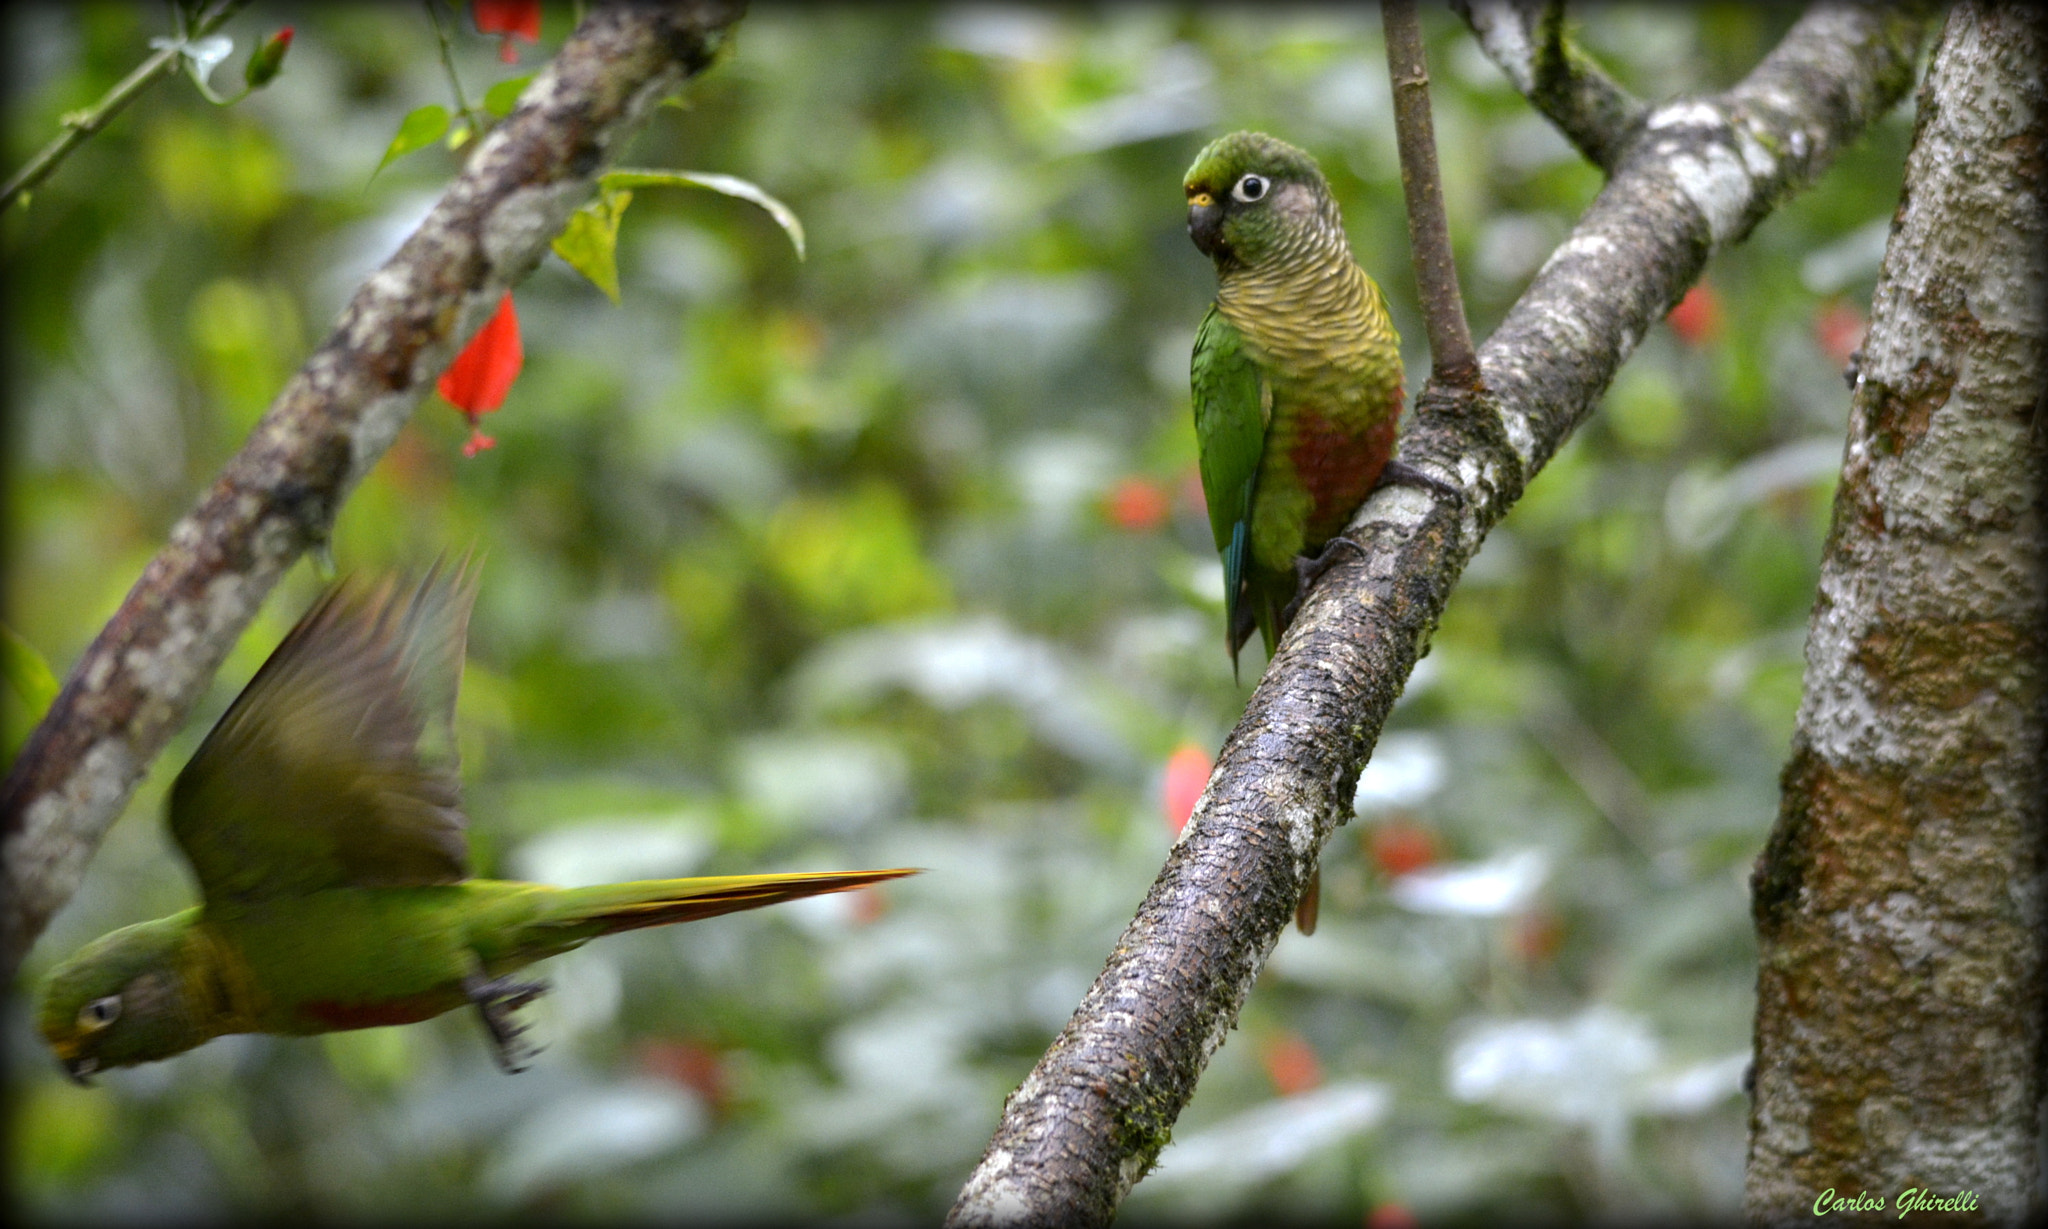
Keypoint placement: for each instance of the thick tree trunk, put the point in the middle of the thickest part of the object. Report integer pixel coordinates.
(1898, 904)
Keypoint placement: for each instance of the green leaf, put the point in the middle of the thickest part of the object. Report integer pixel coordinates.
(590, 242)
(502, 97)
(730, 185)
(26, 672)
(418, 130)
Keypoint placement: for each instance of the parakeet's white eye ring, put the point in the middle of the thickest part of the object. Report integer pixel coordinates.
(99, 1013)
(1250, 188)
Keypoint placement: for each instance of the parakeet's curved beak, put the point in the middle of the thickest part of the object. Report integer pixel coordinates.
(79, 1069)
(1205, 222)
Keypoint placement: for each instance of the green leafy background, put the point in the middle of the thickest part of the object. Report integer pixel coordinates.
(793, 565)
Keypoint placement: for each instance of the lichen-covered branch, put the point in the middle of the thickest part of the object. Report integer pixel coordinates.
(139, 679)
(1091, 1117)
(1527, 39)
(1898, 904)
(1429, 232)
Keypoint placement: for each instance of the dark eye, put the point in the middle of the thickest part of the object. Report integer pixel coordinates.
(99, 1013)
(1250, 188)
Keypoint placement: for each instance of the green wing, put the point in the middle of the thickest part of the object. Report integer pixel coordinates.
(336, 765)
(1231, 409)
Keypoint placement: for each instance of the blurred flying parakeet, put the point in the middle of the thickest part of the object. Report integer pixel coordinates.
(1297, 376)
(323, 818)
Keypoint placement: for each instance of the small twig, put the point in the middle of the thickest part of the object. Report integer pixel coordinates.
(448, 63)
(80, 125)
(1452, 361)
(1526, 38)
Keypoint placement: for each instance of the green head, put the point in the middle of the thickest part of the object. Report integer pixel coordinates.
(123, 999)
(1254, 200)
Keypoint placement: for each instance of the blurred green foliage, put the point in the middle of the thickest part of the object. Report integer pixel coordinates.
(795, 565)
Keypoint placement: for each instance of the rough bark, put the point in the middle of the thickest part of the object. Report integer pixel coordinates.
(1898, 903)
(1091, 1117)
(1526, 39)
(139, 679)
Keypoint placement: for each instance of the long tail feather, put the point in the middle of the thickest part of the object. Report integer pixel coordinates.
(660, 902)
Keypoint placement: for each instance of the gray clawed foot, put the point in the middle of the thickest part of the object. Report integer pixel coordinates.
(1308, 570)
(496, 999)
(1402, 473)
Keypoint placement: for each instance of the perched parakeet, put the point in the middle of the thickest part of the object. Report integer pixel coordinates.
(1297, 375)
(323, 819)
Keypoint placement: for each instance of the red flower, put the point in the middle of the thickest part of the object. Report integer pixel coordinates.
(1398, 848)
(1697, 318)
(477, 381)
(1536, 935)
(1187, 775)
(1291, 1063)
(509, 19)
(1138, 505)
(1839, 330)
(1390, 1216)
(868, 905)
(696, 1066)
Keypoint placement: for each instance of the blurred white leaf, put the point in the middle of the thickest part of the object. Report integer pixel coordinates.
(1849, 259)
(1057, 476)
(1494, 888)
(1405, 770)
(1272, 1138)
(1689, 1090)
(620, 627)
(1351, 957)
(1596, 1070)
(584, 993)
(822, 782)
(958, 663)
(615, 851)
(1006, 31)
(1700, 508)
(587, 1134)
(1175, 95)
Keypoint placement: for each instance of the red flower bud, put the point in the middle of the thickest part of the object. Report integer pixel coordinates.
(267, 59)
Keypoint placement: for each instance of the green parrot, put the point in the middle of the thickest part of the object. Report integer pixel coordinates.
(323, 819)
(1297, 384)
(1296, 374)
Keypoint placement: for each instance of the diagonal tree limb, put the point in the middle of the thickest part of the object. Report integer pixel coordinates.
(1092, 1116)
(1527, 39)
(1429, 234)
(139, 679)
